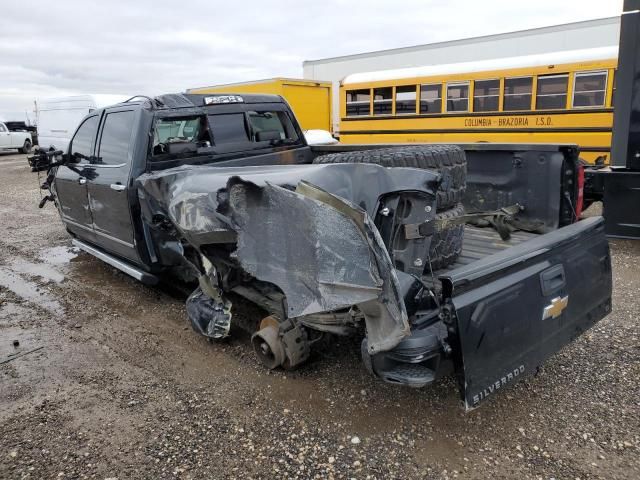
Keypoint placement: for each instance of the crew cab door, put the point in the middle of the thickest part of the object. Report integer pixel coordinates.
(71, 181)
(5, 136)
(514, 309)
(109, 187)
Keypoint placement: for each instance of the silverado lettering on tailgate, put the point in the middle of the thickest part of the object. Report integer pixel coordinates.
(509, 377)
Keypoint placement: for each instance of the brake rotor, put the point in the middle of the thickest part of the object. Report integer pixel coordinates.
(268, 347)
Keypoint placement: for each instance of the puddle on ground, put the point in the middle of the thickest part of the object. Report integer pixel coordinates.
(29, 291)
(42, 270)
(60, 255)
(48, 269)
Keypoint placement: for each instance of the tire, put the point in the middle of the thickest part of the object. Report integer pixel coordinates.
(448, 160)
(26, 148)
(446, 246)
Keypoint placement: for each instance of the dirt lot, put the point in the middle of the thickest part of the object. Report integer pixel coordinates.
(122, 388)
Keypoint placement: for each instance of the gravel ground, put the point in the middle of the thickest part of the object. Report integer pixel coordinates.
(122, 388)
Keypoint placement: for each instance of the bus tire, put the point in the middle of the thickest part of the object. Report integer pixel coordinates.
(448, 160)
(446, 246)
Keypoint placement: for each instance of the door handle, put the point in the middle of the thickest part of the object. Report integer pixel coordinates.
(118, 187)
(82, 180)
(552, 279)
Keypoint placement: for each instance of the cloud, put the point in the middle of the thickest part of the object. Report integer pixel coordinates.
(152, 47)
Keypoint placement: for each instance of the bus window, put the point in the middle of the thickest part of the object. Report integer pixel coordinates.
(590, 89)
(382, 101)
(358, 102)
(457, 97)
(431, 98)
(485, 95)
(551, 93)
(405, 99)
(613, 88)
(517, 93)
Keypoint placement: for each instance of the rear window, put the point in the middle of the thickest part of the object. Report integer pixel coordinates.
(228, 128)
(222, 133)
(256, 126)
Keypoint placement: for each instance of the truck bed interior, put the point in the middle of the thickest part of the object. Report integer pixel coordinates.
(481, 242)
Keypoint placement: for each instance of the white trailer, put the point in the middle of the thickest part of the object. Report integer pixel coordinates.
(58, 118)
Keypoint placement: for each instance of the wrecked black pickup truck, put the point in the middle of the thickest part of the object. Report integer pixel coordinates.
(465, 259)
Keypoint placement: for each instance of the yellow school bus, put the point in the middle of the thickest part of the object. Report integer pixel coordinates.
(563, 97)
(310, 100)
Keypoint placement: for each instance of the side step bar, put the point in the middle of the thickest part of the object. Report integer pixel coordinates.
(140, 275)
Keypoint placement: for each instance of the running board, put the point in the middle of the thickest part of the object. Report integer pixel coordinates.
(140, 275)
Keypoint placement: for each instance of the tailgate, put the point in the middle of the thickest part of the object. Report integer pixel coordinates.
(516, 308)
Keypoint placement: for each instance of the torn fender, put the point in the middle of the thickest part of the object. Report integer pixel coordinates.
(291, 229)
(323, 252)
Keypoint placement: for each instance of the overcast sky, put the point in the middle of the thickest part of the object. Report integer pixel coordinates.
(132, 47)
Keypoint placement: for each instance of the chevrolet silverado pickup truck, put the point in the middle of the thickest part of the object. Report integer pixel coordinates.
(444, 259)
(15, 139)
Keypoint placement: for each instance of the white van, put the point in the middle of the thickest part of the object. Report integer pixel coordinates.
(58, 118)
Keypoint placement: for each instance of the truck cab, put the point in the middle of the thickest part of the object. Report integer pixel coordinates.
(95, 189)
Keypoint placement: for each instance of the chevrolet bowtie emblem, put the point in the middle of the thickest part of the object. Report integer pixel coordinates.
(556, 308)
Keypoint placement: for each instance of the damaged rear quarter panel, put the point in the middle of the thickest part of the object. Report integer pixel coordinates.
(320, 247)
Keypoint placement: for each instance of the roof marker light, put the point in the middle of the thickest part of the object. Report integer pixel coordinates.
(219, 99)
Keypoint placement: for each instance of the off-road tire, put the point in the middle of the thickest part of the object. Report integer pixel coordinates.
(26, 148)
(446, 246)
(448, 160)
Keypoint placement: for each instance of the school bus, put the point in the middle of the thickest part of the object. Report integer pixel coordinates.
(310, 100)
(562, 97)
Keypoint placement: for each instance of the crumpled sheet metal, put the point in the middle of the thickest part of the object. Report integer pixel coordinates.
(323, 256)
(324, 252)
(190, 195)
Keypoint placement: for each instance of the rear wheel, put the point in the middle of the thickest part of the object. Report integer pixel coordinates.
(26, 148)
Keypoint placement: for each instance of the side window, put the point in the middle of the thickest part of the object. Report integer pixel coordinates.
(82, 141)
(590, 89)
(458, 97)
(517, 93)
(486, 95)
(551, 93)
(382, 101)
(358, 102)
(116, 138)
(405, 99)
(613, 92)
(431, 98)
(228, 128)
